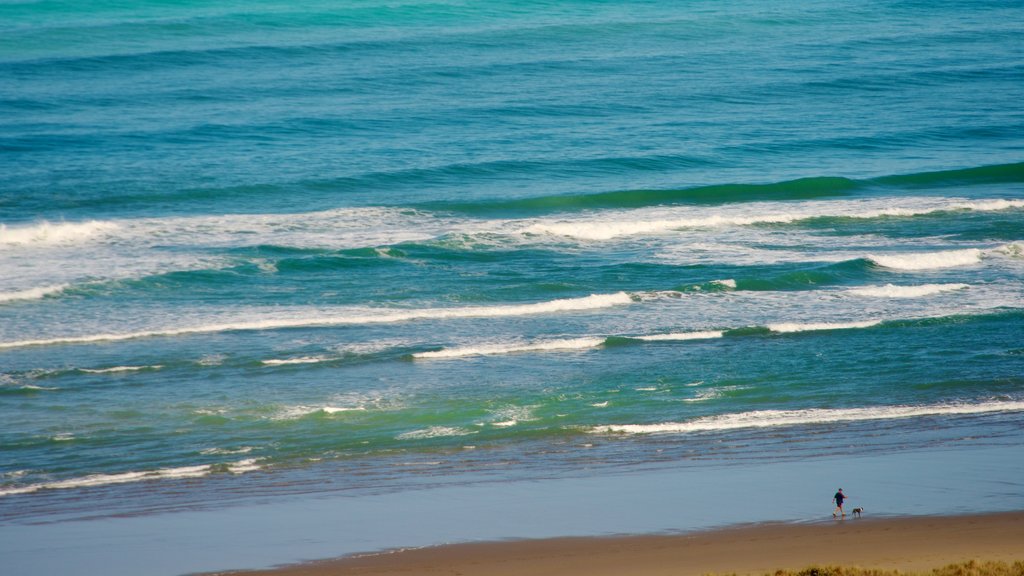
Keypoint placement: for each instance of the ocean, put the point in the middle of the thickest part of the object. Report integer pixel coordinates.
(267, 252)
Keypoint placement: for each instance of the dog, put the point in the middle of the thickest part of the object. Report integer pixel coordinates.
(858, 511)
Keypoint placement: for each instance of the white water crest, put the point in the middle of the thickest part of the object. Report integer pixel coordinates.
(893, 291)
(773, 418)
(116, 369)
(46, 233)
(703, 335)
(787, 327)
(514, 347)
(299, 360)
(354, 316)
(928, 260)
(295, 412)
(127, 477)
(435, 432)
(619, 223)
(32, 293)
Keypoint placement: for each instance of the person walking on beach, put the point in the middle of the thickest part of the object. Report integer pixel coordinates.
(838, 498)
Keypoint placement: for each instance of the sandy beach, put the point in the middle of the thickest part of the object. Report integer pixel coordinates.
(906, 544)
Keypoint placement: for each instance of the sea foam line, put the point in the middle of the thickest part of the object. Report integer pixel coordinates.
(928, 260)
(47, 233)
(364, 316)
(893, 291)
(299, 360)
(512, 348)
(788, 327)
(773, 418)
(127, 477)
(32, 293)
(116, 369)
(704, 335)
(621, 225)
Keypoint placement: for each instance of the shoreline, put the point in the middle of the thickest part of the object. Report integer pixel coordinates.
(914, 543)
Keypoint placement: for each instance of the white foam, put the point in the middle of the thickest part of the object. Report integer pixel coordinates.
(614, 224)
(32, 293)
(787, 327)
(705, 395)
(46, 233)
(773, 418)
(128, 477)
(300, 360)
(607, 229)
(295, 412)
(928, 260)
(705, 335)
(1012, 249)
(893, 291)
(106, 479)
(434, 432)
(356, 316)
(226, 451)
(243, 466)
(116, 369)
(992, 205)
(512, 415)
(728, 283)
(513, 348)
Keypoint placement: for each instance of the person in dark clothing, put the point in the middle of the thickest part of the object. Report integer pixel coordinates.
(838, 499)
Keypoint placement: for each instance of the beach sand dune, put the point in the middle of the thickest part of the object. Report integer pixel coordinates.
(905, 544)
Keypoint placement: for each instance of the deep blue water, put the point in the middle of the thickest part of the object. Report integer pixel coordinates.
(254, 249)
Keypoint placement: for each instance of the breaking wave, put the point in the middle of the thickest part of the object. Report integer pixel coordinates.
(787, 327)
(893, 291)
(47, 233)
(32, 293)
(512, 348)
(928, 260)
(359, 316)
(126, 477)
(618, 224)
(772, 418)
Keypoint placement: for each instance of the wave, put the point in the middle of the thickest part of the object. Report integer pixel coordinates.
(512, 348)
(619, 224)
(127, 477)
(893, 291)
(798, 189)
(360, 316)
(676, 336)
(928, 260)
(117, 369)
(435, 432)
(300, 360)
(47, 233)
(788, 327)
(296, 412)
(32, 293)
(773, 418)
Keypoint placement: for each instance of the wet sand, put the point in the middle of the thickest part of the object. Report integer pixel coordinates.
(905, 543)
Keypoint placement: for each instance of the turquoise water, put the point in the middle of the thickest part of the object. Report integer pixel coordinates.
(253, 250)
